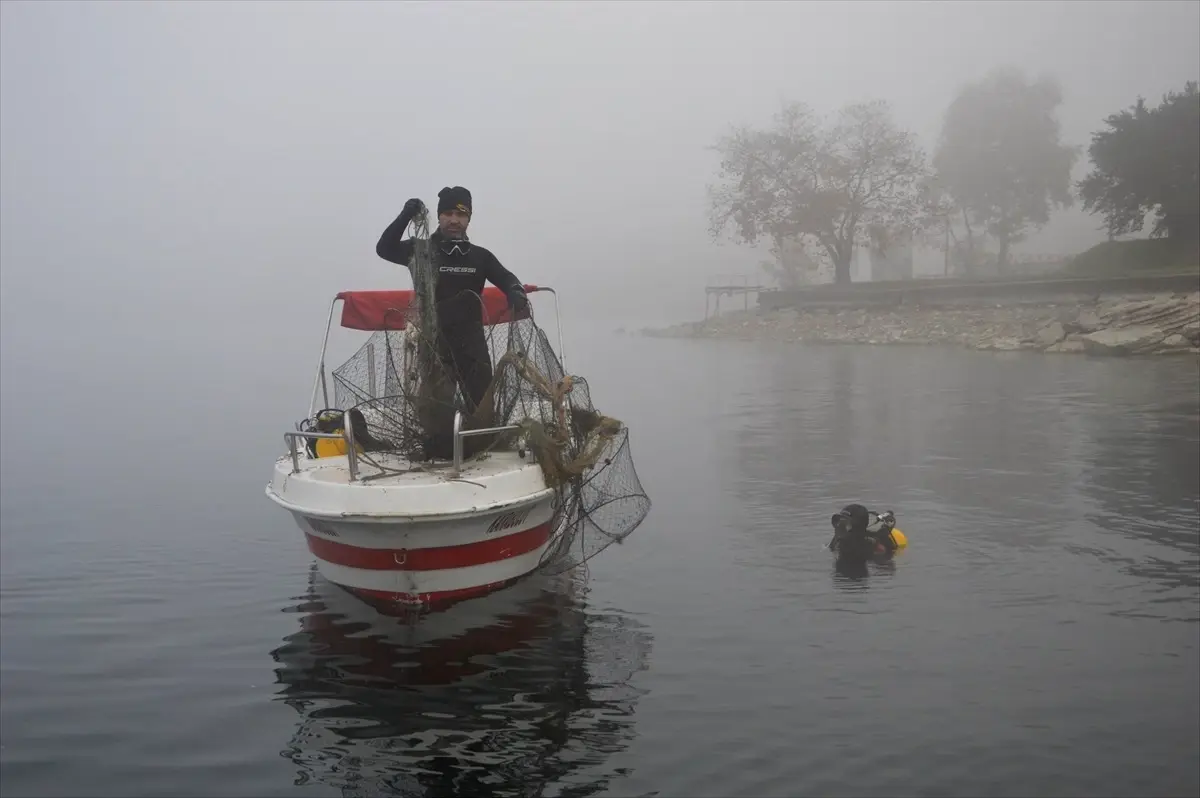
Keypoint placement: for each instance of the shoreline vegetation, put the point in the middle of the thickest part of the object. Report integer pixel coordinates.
(821, 191)
(824, 191)
(1159, 324)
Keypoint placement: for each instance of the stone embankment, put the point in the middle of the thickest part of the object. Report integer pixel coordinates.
(1155, 325)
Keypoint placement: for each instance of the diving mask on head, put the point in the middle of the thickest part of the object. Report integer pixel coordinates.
(842, 522)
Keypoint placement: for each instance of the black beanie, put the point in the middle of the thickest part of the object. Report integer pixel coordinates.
(454, 198)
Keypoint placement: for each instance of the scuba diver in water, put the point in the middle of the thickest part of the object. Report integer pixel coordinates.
(860, 535)
(461, 268)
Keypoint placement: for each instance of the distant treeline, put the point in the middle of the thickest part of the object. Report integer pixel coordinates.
(998, 170)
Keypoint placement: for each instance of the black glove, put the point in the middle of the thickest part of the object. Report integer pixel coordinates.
(518, 301)
(411, 209)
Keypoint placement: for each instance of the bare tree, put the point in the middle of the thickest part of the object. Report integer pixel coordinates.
(831, 185)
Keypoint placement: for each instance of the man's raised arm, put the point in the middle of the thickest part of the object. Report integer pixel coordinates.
(392, 245)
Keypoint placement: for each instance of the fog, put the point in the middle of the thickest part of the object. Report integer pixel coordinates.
(188, 184)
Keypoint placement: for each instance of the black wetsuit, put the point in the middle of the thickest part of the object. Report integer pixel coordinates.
(853, 538)
(461, 274)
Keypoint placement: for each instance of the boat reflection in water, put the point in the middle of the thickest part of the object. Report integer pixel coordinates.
(504, 695)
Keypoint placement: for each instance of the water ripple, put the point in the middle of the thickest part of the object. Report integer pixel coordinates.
(1038, 636)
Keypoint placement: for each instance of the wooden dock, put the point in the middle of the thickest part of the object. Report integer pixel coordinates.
(730, 285)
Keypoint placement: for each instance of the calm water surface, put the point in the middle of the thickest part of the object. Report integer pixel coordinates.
(164, 632)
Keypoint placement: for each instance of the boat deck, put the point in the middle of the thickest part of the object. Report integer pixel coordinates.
(322, 487)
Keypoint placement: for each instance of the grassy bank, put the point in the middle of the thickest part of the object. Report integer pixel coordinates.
(1132, 258)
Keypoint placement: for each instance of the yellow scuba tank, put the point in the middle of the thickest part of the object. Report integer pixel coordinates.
(888, 519)
(332, 447)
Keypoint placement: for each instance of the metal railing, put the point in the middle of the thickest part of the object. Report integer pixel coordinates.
(347, 435)
(320, 387)
(562, 358)
(460, 433)
(352, 451)
(319, 382)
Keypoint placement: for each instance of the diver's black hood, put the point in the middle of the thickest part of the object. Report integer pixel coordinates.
(854, 516)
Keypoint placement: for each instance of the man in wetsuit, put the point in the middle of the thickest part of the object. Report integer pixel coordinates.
(461, 268)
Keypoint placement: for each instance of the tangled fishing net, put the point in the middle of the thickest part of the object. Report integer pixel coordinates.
(400, 394)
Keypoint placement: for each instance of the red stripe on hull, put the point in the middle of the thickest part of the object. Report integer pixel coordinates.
(429, 559)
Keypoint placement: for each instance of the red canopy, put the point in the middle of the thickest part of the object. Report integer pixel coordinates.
(387, 310)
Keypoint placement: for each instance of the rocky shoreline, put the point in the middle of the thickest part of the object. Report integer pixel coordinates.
(1157, 325)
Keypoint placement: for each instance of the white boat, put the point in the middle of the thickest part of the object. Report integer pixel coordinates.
(393, 529)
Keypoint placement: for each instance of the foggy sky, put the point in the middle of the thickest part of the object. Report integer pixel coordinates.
(236, 162)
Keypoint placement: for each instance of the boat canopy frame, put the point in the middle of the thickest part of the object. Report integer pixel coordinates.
(383, 310)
